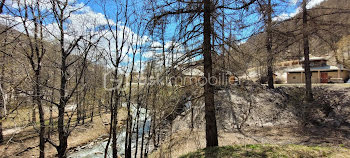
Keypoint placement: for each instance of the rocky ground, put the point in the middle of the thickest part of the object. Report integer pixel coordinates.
(252, 114)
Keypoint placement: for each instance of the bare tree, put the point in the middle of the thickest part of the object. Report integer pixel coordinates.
(2, 102)
(117, 42)
(136, 43)
(210, 118)
(80, 46)
(35, 57)
(2, 4)
(2, 93)
(269, 44)
(308, 86)
(52, 100)
(204, 10)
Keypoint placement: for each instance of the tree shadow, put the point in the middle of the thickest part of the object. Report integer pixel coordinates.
(325, 120)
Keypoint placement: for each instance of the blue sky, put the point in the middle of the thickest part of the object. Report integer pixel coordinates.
(283, 11)
(93, 13)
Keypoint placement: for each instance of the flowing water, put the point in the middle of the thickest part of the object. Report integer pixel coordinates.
(97, 150)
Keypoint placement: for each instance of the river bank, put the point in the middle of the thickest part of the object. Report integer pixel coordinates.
(82, 136)
(96, 148)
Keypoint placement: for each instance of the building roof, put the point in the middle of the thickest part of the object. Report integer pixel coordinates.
(192, 72)
(315, 58)
(322, 68)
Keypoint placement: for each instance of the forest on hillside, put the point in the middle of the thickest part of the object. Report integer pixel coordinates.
(174, 78)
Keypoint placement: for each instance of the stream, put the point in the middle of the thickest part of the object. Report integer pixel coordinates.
(96, 150)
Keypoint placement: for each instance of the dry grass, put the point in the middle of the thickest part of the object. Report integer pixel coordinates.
(22, 117)
(270, 151)
(184, 142)
(19, 118)
(189, 141)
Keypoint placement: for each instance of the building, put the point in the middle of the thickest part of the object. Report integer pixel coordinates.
(321, 72)
(194, 75)
(191, 76)
(288, 63)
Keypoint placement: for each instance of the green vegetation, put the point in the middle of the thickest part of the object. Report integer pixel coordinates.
(267, 150)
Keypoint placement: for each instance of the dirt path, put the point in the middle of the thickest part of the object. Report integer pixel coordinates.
(12, 131)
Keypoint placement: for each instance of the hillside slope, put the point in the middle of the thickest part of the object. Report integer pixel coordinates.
(328, 23)
(255, 115)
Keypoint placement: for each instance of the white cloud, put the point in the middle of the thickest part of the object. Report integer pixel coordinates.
(87, 20)
(80, 22)
(293, 2)
(242, 42)
(314, 3)
(284, 16)
(83, 22)
(156, 45)
(148, 54)
(10, 20)
(44, 4)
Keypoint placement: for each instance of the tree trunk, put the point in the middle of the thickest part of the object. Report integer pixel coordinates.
(269, 46)
(138, 109)
(85, 105)
(110, 125)
(51, 106)
(2, 97)
(114, 124)
(42, 131)
(148, 140)
(154, 117)
(114, 112)
(192, 119)
(1, 112)
(77, 98)
(93, 105)
(308, 86)
(61, 149)
(37, 87)
(146, 113)
(210, 118)
(2, 4)
(129, 119)
(33, 112)
(223, 38)
(41, 113)
(62, 133)
(137, 130)
(83, 119)
(50, 118)
(143, 132)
